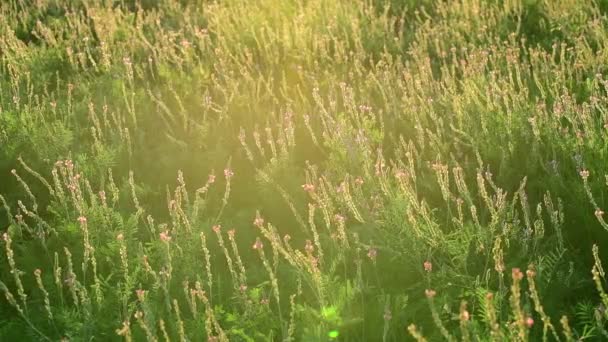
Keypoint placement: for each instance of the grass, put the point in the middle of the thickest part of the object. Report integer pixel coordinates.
(303, 170)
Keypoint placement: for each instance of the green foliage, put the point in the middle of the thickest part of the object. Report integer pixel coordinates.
(303, 170)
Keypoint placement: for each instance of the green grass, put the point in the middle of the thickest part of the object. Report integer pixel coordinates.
(303, 170)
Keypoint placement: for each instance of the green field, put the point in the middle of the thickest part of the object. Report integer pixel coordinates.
(303, 170)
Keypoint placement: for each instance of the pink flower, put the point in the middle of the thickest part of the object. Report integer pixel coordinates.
(243, 288)
(228, 173)
(164, 236)
(258, 244)
(231, 233)
(359, 181)
(584, 174)
(517, 274)
(341, 188)
(428, 266)
(430, 293)
(258, 222)
(531, 273)
(599, 213)
(308, 187)
(400, 174)
(140, 294)
(314, 261)
(309, 247)
(216, 228)
(372, 253)
(339, 218)
(82, 219)
(529, 322)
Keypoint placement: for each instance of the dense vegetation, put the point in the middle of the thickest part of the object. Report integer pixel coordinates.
(303, 170)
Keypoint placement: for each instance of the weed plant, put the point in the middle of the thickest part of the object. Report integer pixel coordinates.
(303, 170)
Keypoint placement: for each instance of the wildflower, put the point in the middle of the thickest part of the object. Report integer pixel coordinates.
(516, 273)
(529, 322)
(216, 228)
(5, 237)
(258, 244)
(314, 261)
(231, 233)
(309, 247)
(339, 218)
(228, 173)
(164, 236)
(37, 272)
(599, 213)
(341, 188)
(139, 314)
(464, 315)
(584, 174)
(258, 222)
(243, 288)
(53, 104)
(286, 238)
(359, 181)
(102, 195)
(120, 237)
(531, 273)
(400, 174)
(428, 266)
(211, 179)
(13, 171)
(264, 301)
(387, 315)
(372, 253)
(489, 296)
(140, 294)
(308, 187)
(82, 219)
(430, 293)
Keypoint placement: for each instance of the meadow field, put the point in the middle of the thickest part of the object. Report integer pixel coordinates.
(303, 170)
